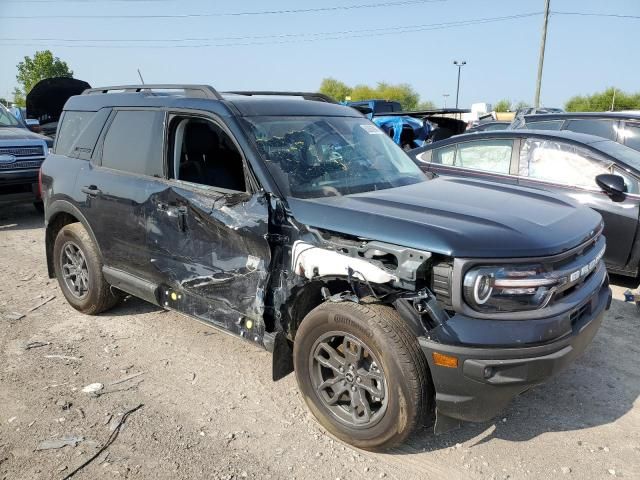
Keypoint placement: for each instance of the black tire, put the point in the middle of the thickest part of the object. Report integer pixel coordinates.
(379, 328)
(39, 206)
(98, 295)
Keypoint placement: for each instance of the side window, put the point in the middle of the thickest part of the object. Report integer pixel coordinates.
(487, 155)
(133, 142)
(205, 154)
(599, 128)
(561, 163)
(632, 136)
(548, 125)
(444, 155)
(79, 132)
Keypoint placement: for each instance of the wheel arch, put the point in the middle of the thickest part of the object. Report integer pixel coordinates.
(59, 214)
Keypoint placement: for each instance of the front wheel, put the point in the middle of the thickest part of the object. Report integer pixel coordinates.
(362, 373)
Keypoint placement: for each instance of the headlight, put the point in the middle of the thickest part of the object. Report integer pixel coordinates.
(509, 288)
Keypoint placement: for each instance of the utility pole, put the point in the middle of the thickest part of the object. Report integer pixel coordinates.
(459, 65)
(543, 44)
(613, 99)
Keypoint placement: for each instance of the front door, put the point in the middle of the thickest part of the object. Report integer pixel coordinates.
(571, 170)
(207, 232)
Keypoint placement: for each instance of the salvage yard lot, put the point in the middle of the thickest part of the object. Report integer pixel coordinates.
(210, 409)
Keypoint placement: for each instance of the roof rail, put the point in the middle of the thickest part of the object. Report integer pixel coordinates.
(318, 97)
(197, 91)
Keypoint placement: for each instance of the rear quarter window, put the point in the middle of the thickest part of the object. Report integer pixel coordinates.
(78, 133)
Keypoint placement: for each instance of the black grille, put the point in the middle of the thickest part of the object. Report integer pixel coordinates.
(33, 151)
(23, 164)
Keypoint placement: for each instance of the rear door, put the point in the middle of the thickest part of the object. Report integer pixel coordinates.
(487, 159)
(116, 186)
(207, 229)
(571, 170)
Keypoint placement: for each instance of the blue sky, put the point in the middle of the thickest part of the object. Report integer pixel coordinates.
(584, 53)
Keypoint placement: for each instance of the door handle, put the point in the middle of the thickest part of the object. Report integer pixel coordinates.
(182, 218)
(91, 190)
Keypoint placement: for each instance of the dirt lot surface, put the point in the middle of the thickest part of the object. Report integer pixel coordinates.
(210, 409)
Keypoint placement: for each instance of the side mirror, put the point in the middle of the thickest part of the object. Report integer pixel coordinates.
(33, 125)
(612, 185)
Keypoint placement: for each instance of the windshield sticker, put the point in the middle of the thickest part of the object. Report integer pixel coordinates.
(372, 129)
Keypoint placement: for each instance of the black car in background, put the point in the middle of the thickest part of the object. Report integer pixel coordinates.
(598, 173)
(488, 126)
(621, 127)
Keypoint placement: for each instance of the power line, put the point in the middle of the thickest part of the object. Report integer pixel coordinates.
(281, 38)
(393, 29)
(587, 14)
(398, 3)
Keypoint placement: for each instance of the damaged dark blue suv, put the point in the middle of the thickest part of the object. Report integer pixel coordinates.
(296, 224)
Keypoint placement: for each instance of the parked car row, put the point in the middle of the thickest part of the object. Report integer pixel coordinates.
(300, 226)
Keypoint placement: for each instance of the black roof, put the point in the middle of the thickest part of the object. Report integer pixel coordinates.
(208, 99)
(520, 133)
(635, 115)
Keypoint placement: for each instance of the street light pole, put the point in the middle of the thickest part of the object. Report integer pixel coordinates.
(459, 65)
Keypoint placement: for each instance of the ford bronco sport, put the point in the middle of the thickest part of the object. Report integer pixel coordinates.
(296, 224)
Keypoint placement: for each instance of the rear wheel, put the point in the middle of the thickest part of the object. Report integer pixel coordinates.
(362, 373)
(78, 269)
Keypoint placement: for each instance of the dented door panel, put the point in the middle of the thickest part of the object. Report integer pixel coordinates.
(209, 252)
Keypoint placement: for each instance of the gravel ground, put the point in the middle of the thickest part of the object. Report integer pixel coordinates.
(210, 410)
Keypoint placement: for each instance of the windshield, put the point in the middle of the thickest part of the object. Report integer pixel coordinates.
(623, 153)
(7, 119)
(314, 157)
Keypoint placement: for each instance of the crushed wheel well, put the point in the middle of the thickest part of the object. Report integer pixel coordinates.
(306, 298)
(54, 226)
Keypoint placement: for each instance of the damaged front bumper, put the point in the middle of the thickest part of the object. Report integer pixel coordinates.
(489, 373)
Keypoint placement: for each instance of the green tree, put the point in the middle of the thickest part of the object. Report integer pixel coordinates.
(33, 69)
(426, 105)
(603, 101)
(402, 92)
(335, 89)
(503, 105)
(4, 101)
(520, 104)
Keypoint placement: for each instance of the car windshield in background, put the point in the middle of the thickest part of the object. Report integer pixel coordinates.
(314, 157)
(625, 154)
(7, 119)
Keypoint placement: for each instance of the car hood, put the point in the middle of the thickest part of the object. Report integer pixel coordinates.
(456, 217)
(46, 99)
(19, 133)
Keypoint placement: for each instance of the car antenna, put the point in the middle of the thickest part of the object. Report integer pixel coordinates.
(140, 75)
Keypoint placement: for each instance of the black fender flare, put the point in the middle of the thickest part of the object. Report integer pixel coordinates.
(52, 210)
